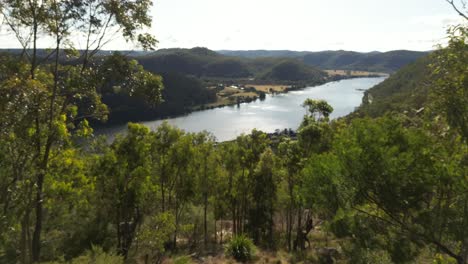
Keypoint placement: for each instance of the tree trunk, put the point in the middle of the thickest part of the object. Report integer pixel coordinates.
(36, 241)
(221, 235)
(205, 226)
(174, 241)
(289, 228)
(163, 204)
(234, 226)
(298, 241)
(26, 256)
(215, 234)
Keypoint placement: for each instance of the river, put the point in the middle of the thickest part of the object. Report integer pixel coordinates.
(275, 112)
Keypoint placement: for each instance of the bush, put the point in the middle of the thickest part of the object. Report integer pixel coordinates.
(183, 260)
(241, 248)
(97, 256)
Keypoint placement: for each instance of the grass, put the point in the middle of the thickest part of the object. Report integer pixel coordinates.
(354, 73)
(269, 88)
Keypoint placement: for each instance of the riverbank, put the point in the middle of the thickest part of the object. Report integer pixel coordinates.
(277, 111)
(236, 94)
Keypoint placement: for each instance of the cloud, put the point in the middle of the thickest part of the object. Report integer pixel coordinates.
(436, 20)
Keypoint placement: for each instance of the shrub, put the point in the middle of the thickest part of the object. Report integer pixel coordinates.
(241, 248)
(183, 260)
(97, 256)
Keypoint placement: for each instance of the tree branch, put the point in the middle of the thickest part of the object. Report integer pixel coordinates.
(452, 3)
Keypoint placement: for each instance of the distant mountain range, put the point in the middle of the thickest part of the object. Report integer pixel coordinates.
(388, 62)
(205, 63)
(241, 63)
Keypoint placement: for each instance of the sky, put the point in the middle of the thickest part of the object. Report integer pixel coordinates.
(303, 25)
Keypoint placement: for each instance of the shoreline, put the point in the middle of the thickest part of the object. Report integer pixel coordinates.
(288, 88)
(103, 126)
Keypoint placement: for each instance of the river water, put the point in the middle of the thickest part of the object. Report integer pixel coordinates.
(275, 112)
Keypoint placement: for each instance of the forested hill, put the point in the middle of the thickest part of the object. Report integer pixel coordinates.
(343, 60)
(237, 63)
(406, 90)
(294, 71)
(202, 62)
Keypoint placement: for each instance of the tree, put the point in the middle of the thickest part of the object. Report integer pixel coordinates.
(207, 169)
(290, 155)
(401, 186)
(153, 234)
(58, 91)
(319, 109)
(123, 178)
(231, 164)
(450, 82)
(314, 129)
(250, 149)
(264, 188)
(120, 75)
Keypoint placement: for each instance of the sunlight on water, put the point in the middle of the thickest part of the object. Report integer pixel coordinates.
(275, 112)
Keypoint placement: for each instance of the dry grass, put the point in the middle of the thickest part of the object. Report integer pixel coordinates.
(227, 91)
(268, 88)
(353, 73)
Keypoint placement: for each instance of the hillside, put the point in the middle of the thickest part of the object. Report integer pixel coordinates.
(252, 54)
(181, 93)
(343, 60)
(191, 62)
(294, 71)
(406, 90)
(246, 63)
(204, 63)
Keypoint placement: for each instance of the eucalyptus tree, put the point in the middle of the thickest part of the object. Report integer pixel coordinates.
(290, 155)
(314, 137)
(60, 97)
(249, 151)
(231, 165)
(124, 184)
(163, 166)
(264, 194)
(207, 169)
(314, 130)
(400, 188)
(450, 95)
(449, 80)
(182, 187)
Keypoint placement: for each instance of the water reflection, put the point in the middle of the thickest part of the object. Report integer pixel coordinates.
(275, 112)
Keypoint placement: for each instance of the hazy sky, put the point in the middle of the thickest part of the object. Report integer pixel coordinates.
(360, 25)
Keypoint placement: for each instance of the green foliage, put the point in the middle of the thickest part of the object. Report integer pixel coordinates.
(241, 248)
(388, 187)
(264, 189)
(180, 94)
(314, 131)
(450, 81)
(96, 255)
(321, 176)
(183, 260)
(153, 234)
(395, 178)
(407, 90)
(367, 256)
(320, 109)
